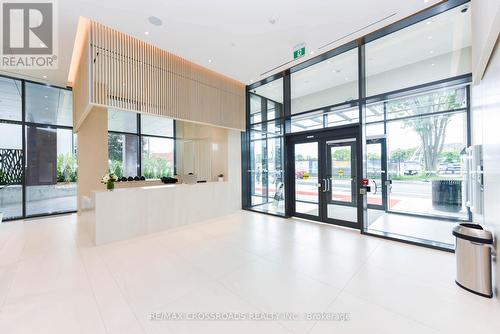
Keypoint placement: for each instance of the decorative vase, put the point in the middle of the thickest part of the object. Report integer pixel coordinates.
(110, 185)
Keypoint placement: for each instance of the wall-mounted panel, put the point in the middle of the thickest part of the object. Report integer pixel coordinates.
(127, 73)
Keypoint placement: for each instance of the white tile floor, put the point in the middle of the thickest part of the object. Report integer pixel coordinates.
(53, 281)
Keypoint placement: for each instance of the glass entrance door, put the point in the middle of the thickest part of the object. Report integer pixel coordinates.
(324, 173)
(307, 186)
(376, 163)
(341, 180)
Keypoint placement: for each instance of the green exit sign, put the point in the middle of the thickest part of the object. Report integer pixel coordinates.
(299, 50)
(299, 53)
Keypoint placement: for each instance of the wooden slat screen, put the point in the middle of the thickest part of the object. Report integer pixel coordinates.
(130, 74)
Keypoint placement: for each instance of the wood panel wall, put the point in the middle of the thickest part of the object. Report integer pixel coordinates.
(81, 80)
(127, 73)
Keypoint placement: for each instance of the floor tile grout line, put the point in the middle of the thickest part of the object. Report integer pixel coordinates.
(120, 289)
(89, 282)
(362, 265)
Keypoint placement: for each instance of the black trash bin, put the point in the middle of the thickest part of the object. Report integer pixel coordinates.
(447, 195)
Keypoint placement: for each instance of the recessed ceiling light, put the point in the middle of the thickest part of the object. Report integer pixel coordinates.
(312, 52)
(46, 108)
(433, 64)
(146, 33)
(346, 78)
(210, 60)
(429, 22)
(431, 52)
(45, 77)
(426, 1)
(328, 62)
(429, 37)
(45, 96)
(154, 20)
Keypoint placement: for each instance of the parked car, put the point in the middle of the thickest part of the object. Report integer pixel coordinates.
(412, 167)
(454, 167)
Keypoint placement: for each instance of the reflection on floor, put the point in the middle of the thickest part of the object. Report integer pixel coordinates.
(271, 207)
(426, 229)
(343, 212)
(53, 280)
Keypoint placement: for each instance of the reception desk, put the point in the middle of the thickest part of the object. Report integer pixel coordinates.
(129, 212)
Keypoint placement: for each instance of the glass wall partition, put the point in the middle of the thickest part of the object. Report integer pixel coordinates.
(418, 193)
(437, 48)
(266, 154)
(409, 81)
(328, 83)
(140, 145)
(50, 151)
(38, 167)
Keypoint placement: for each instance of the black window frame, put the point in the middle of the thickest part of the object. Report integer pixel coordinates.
(24, 124)
(362, 101)
(139, 136)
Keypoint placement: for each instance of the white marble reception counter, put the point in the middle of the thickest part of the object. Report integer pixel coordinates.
(128, 212)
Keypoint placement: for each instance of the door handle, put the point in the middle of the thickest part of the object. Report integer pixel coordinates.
(324, 185)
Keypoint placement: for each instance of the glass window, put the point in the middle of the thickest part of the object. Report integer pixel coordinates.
(431, 50)
(427, 103)
(157, 157)
(157, 126)
(425, 153)
(342, 116)
(48, 105)
(307, 122)
(266, 174)
(10, 99)
(122, 121)
(267, 130)
(11, 171)
(266, 102)
(327, 83)
(51, 170)
(122, 153)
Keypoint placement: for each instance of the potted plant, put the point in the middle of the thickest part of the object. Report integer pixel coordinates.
(109, 180)
(220, 177)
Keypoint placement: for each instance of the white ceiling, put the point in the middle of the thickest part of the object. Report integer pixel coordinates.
(234, 34)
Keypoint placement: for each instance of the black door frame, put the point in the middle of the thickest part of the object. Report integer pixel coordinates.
(384, 177)
(321, 136)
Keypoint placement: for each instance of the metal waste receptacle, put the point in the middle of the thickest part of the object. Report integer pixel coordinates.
(473, 256)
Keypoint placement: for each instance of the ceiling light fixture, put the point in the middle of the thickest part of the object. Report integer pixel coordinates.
(431, 52)
(210, 60)
(429, 37)
(45, 77)
(312, 52)
(45, 96)
(154, 20)
(429, 22)
(146, 33)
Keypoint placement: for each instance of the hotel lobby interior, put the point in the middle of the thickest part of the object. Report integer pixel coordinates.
(249, 167)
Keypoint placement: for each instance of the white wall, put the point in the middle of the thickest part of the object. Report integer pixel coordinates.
(485, 29)
(485, 130)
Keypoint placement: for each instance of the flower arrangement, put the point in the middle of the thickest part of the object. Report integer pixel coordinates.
(109, 180)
